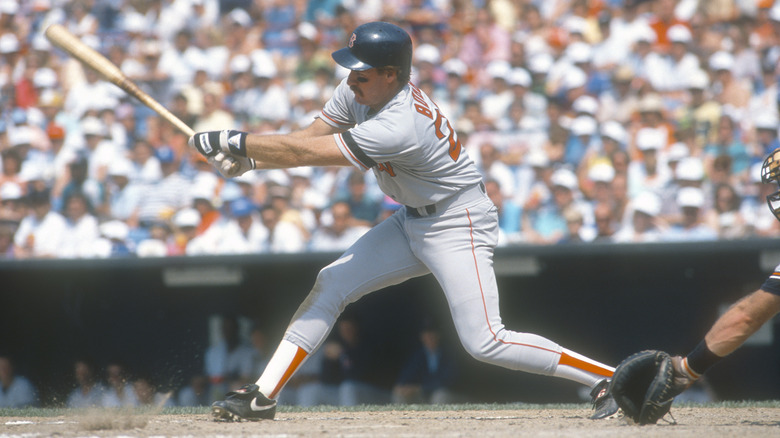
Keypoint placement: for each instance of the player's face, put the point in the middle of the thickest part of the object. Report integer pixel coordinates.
(371, 87)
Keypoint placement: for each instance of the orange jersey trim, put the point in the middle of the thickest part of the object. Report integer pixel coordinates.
(334, 120)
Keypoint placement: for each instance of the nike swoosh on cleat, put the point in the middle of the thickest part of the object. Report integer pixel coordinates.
(257, 408)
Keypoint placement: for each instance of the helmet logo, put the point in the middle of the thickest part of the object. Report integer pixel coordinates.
(352, 40)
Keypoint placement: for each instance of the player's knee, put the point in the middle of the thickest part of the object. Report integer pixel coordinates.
(479, 345)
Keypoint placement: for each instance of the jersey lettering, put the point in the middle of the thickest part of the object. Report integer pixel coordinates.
(386, 167)
(421, 106)
(455, 146)
(423, 110)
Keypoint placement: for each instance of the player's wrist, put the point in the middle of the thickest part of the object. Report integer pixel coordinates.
(700, 359)
(233, 142)
(227, 141)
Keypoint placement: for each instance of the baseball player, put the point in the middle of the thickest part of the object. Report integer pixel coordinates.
(742, 319)
(377, 120)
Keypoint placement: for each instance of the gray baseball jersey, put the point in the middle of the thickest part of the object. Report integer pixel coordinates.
(396, 144)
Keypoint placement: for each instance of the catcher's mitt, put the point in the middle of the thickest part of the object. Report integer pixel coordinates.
(643, 386)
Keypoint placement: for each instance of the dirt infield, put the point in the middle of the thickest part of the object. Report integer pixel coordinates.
(691, 422)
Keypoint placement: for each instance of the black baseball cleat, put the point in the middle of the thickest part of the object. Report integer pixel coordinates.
(604, 405)
(245, 403)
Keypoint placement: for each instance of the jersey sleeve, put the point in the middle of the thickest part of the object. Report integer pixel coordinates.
(772, 283)
(376, 141)
(337, 111)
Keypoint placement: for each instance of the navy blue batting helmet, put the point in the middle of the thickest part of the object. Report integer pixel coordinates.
(376, 44)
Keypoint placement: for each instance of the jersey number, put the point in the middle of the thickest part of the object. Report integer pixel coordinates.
(455, 146)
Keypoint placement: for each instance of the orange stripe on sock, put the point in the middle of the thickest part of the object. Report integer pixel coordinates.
(583, 365)
(690, 370)
(296, 362)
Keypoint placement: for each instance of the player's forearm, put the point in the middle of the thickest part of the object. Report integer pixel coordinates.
(283, 151)
(742, 320)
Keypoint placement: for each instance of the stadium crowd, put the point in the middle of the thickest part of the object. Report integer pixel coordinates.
(607, 120)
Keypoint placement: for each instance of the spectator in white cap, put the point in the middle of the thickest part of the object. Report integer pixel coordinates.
(699, 117)
(272, 102)
(82, 95)
(643, 59)
(645, 225)
(585, 105)
(691, 226)
(533, 179)
(174, 62)
(766, 127)
(492, 167)
(534, 104)
(612, 138)
(689, 172)
(650, 171)
(124, 194)
(243, 233)
(495, 103)
(241, 97)
(652, 114)
(41, 232)
(546, 224)
(583, 136)
(764, 101)
(185, 228)
(597, 185)
(97, 147)
(455, 90)
(112, 241)
(425, 62)
(307, 105)
(677, 151)
(682, 62)
(733, 91)
(311, 57)
(539, 65)
(573, 84)
(11, 202)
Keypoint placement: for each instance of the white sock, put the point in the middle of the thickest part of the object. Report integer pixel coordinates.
(574, 366)
(283, 364)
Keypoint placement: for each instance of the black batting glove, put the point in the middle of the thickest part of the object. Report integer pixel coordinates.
(211, 143)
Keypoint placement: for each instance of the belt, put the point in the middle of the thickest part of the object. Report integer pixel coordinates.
(466, 194)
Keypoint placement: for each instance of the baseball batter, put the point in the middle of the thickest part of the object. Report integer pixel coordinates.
(377, 120)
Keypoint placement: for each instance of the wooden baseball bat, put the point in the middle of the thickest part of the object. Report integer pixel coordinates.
(62, 38)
